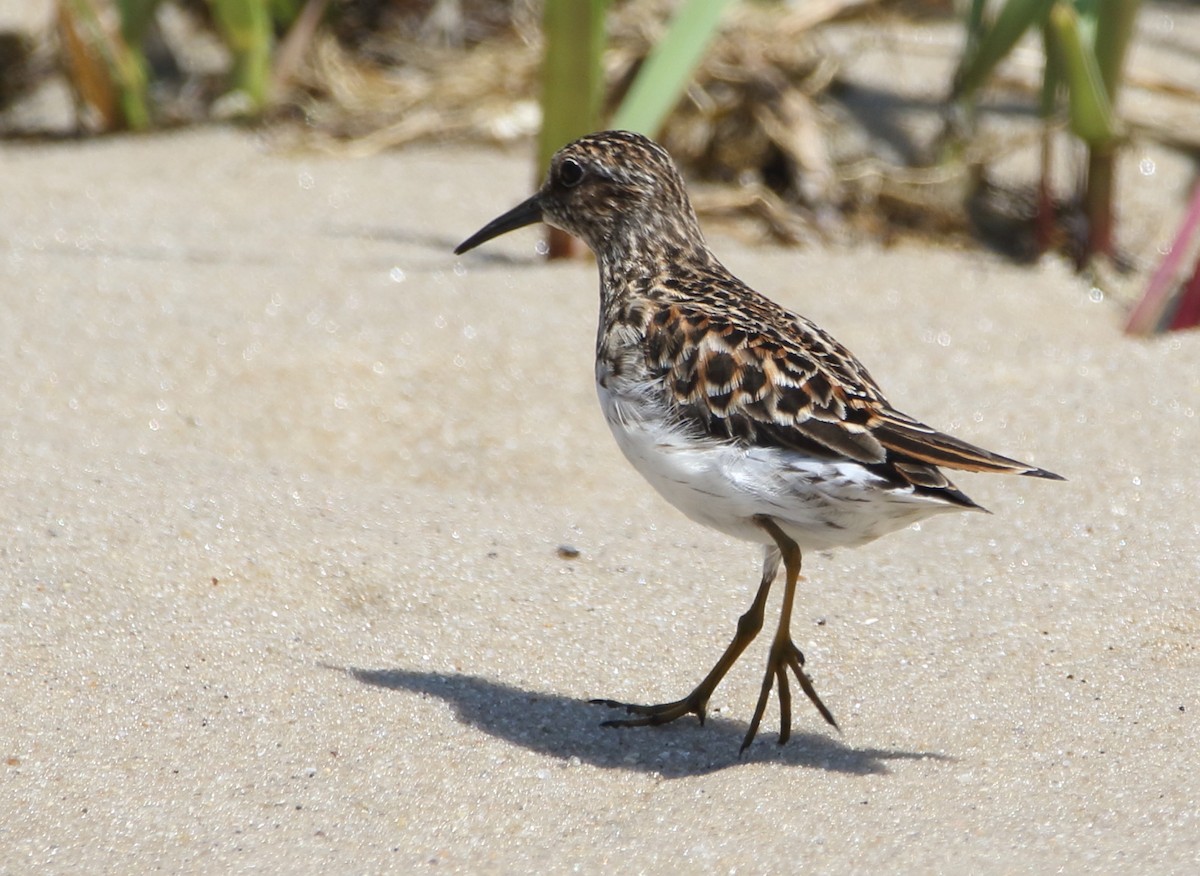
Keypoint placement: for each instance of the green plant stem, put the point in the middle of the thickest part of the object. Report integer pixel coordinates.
(1098, 199)
(1046, 219)
(246, 27)
(572, 86)
(136, 16)
(572, 75)
(124, 63)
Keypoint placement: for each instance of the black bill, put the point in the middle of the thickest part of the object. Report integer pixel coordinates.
(525, 213)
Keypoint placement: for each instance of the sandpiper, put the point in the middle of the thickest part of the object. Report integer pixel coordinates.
(747, 418)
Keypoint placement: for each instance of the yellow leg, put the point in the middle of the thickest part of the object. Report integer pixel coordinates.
(696, 703)
(784, 654)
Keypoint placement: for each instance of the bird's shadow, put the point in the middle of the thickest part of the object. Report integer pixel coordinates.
(568, 728)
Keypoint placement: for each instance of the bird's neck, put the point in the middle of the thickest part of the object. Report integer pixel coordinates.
(634, 263)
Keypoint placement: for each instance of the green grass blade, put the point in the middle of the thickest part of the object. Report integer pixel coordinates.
(1091, 109)
(1114, 29)
(664, 75)
(983, 54)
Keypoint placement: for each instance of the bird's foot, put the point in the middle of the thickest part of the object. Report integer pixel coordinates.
(784, 656)
(695, 703)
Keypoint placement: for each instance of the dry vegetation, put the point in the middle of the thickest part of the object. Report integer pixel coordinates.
(767, 128)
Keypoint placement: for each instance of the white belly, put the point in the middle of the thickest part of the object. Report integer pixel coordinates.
(725, 485)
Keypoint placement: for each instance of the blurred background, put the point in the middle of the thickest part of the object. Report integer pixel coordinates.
(1030, 127)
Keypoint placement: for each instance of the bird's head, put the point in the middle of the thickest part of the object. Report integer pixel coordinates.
(616, 190)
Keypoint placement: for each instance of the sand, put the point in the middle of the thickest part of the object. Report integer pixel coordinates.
(315, 546)
(281, 589)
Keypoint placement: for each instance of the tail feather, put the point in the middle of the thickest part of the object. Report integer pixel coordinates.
(919, 442)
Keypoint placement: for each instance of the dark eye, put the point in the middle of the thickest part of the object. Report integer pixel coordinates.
(570, 172)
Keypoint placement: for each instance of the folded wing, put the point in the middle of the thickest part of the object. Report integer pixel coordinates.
(798, 388)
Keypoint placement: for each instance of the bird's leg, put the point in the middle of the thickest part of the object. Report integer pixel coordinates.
(784, 654)
(696, 703)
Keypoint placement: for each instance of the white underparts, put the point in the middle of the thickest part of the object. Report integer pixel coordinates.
(726, 484)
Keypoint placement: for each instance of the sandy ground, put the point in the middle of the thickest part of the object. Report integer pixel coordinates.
(284, 488)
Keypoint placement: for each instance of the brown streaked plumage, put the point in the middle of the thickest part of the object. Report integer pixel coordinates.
(748, 418)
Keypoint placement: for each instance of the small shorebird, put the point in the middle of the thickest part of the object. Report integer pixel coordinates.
(747, 418)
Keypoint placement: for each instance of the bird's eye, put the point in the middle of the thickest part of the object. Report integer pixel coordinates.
(570, 172)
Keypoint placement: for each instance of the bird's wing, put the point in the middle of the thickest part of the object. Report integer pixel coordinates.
(760, 374)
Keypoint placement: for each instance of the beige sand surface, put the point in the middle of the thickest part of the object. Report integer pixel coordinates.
(283, 487)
